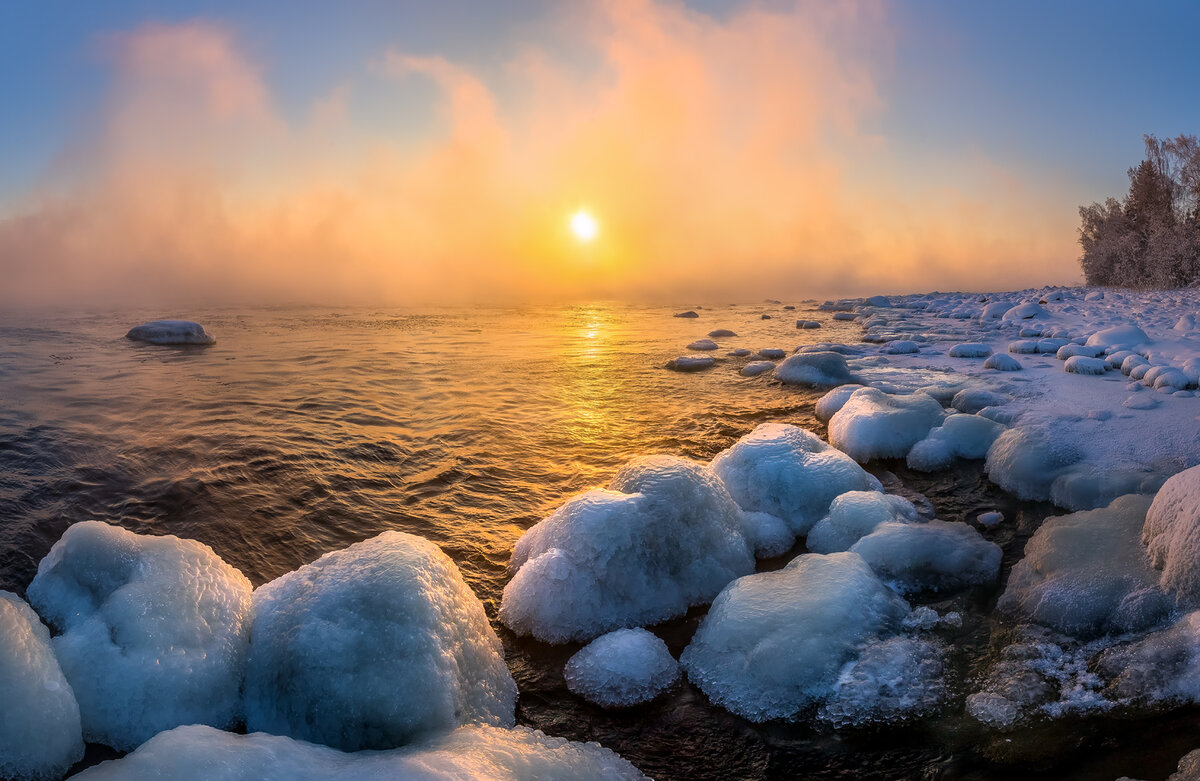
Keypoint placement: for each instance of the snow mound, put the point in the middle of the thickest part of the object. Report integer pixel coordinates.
(879, 302)
(468, 754)
(1051, 346)
(872, 424)
(895, 680)
(833, 401)
(790, 473)
(1125, 337)
(690, 363)
(844, 316)
(1025, 311)
(666, 536)
(1026, 461)
(1002, 363)
(40, 733)
(1172, 535)
(372, 646)
(1023, 346)
(154, 630)
(170, 332)
(959, 436)
(970, 350)
(854, 515)
(931, 556)
(1071, 350)
(755, 368)
(971, 400)
(1167, 379)
(1080, 364)
(814, 368)
(1140, 401)
(1086, 574)
(775, 643)
(702, 344)
(622, 668)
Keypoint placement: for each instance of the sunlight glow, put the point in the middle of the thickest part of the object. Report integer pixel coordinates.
(584, 226)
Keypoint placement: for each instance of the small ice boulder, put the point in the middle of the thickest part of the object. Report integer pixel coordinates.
(770, 534)
(814, 368)
(622, 668)
(775, 643)
(990, 518)
(932, 556)
(372, 646)
(755, 368)
(170, 332)
(1025, 311)
(1081, 364)
(1026, 460)
(808, 324)
(1140, 370)
(720, 333)
(1023, 346)
(665, 536)
(688, 314)
(1002, 363)
(872, 424)
(844, 316)
(970, 350)
(1125, 336)
(1163, 667)
(1086, 574)
(854, 515)
(703, 344)
(1140, 401)
(154, 630)
(960, 436)
(833, 401)
(1073, 350)
(879, 302)
(740, 352)
(899, 347)
(892, 681)
(772, 353)
(40, 733)
(1115, 359)
(1172, 535)
(994, 310)
(788, 472)
(971, 400)
(691, 363)
(1168, 380)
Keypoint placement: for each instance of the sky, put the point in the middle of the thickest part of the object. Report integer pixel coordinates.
(182, 153)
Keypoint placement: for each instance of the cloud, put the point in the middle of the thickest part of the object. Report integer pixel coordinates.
(725, 158)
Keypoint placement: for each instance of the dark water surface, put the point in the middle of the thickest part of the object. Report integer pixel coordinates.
(303, 431)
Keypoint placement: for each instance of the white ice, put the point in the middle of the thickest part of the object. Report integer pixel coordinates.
(814, 368)
(854, 515)
(959, 436)
(622, 668)
(873, 424)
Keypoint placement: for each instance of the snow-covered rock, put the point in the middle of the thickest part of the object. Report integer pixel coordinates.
(833, 401)
(971, 400)
(931, 556)
(814, 368)
(622, 668)
(959, 436)
(854, 515)
(703, 344)
(872, 424)
(1080, 364)
(721, 333)
(1172, 535)
(772, 353)
(899, 347)
(691, 363)
(755, 368)
(170, 332)
(970, 350)
(1025, 311)
(1071, 350)
(1002, 363)
(1026, 461)
(1120, 336)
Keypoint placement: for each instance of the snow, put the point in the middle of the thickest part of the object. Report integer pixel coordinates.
(703, 344)
(372, 646)
(197, 753)
(622, 668)
(755, 368)
(1079, 364)
(872, 424)
(1172, 535)
(154, 630)
(959, 436)
(691, 363)
(1126, 337)
(40, 733)
(170, 332)
(788, 472)
(970, 350)
(854, 515)
(1026, 461)
(899, 347)
(1025, 311)
(932, 556)
(775, 643)
(814, 368)
(1003, 363)
(1070, 350)
(971, 400)
(665, 536)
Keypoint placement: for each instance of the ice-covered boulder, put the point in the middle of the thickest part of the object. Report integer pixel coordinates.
(1026, 460)
(1002, 363)
(1071, 350)
(879, 302)
(932, 556)
(971, 400)
(808, 324)
(666, 536)
(691, 363)
(1087, 574)
(40, 733)
(622, 668)
(1023, 346)
(1167, 379)
(154, 630)
(1120, 336)
(721, 333)
(467, 754)
(1172, 535)
(775, 643)
(833, 401)
(170, 332)
(770, 534)
(703, 344)
(899, 347)
(372, 646)
(1025, 311)
(994, 310)
(688, 314)
(854, 515)
(895, 680)
(790, 473)
(814, 368)
(772, 353)
(959, 436)
(846, 316)
(755, 368)
(1080, 364)
(970, 350)
(1051, 345)
(872, 424)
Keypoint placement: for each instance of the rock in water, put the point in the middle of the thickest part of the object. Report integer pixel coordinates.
(170, 332)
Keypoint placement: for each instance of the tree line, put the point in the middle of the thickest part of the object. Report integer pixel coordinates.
(1151, 239)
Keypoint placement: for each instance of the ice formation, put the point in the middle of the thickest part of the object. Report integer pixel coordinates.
(872, 424)
(1002, 363)
(970, 350)
(40, 734)
(372, 646)
(900, 678)
(959, 436)
(690, 363)
(833, 401)
(1027, 460)
(666, 536)
(703, 344)
(720, 333)
(1079, 364)
(1126, 337)
(170, 332)
(932, 556)
(855, 514)
(814, 368)
(772, 353)
(622, 668)
(1025, 311)
(775, 643)
(971, 400)
(154, 630)
(1172, 535)
(788, 472)
(755, 368)
(1163, 666)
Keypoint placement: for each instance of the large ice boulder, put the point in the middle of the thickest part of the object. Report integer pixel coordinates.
(773, 644)
(372, 646)
(814, 368)
(1087, 574)
(790, 473)
(622, 668)
(1172, 535)
(665, 536)
(40, 733)
(855, 514)
(932, 556)
(154, 630)
(873, 424)
(959, 436)
(476, 753)
(828, 405)
(1027, 460)
(170, 332)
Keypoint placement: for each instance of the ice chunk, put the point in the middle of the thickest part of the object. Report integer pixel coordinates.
(721, 333)
(1120, 336)
(1072, 350)
(879, 302)
(170, 332)
(703, 344)
(970, 350)
(814, 368)
(665, 537)
(1166, 378)
(371, 646)
(467, 754)
(690, 363)
(1185, 323)
(772, 644)
(154, 630)
(622, 668)
(755, 368)
(932, 556)
(854, 515)
(899, 347)
(1080, 364)
(790, 473)
(1023, 346)
(740, 352)
(1095, 295)
(1140, 401)
(1051, 346)
(770, 534)
(1003, 363)
(959, 436)
(895, 680)
(1026, 460)
(40, 734)
(994, 311)
(1086, 574)
(971, 400)
(990, 518)
(1172, 535)
(833, 401)
(772, 353)
(1025, 311)
(872, 424)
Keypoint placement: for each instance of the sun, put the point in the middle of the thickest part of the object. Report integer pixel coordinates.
(584, 226)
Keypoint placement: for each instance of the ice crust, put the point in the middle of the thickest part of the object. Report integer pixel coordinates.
(170, 332)
(666, 535)
(373, 646)
(873, 424)
(622, 668)
(154, 630)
